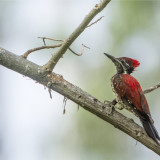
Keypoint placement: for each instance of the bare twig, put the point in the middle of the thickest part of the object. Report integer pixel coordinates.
(59, 40)
(82, 50)
(44, 42)
(151, 88)
(95, 21)
(25, 55)
(43, 38)
(55, 58)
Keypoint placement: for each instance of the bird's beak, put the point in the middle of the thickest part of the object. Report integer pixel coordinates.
(117, 63)
(113, 59)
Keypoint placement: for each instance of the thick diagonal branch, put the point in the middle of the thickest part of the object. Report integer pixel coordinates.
(55, 58)
(77, 95)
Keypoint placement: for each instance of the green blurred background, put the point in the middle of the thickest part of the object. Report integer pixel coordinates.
(32, 126)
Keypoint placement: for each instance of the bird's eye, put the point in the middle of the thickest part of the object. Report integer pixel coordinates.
(122, 61)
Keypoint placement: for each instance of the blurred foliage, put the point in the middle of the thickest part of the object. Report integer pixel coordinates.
(130, 18)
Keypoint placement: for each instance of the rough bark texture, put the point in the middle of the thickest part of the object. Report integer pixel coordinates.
(77, 95)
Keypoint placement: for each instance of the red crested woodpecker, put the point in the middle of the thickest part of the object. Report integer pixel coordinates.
(129, 93)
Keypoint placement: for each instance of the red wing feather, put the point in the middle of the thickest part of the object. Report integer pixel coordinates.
(129, 88)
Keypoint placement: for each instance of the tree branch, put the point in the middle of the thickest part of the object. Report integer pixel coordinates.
(82, 50)
(62, 41)
(151, 88)
(25, 55)
(77, 95)
(95, 21)
(55, 58)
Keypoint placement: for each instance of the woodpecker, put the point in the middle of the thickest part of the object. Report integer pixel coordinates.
(129, 93)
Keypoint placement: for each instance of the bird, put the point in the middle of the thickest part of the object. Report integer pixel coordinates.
(129, 94)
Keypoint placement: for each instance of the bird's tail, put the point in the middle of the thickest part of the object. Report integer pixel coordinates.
(150, 129)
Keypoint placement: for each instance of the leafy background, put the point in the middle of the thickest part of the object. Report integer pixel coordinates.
(32, 126)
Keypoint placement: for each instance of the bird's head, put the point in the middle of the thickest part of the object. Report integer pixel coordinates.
(124, 64)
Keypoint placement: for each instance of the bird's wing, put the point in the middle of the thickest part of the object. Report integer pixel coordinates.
(132, 95)
(129, 88)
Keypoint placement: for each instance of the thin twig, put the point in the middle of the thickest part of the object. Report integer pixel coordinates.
(25, 55)
(59, 40)
(43, 41)
(82, 50)
(95, 21)
(151, 88)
